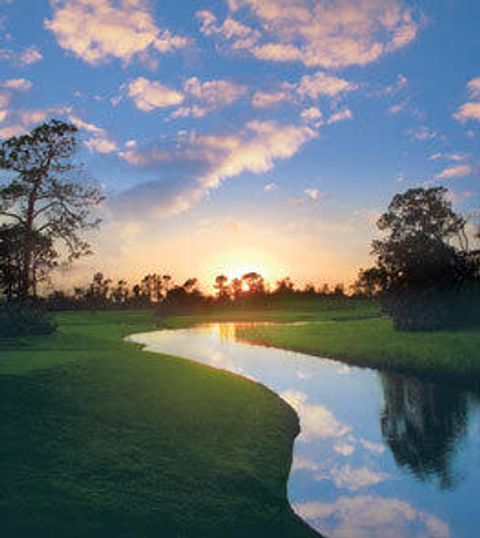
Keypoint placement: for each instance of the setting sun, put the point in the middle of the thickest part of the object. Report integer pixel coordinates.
(236, 263)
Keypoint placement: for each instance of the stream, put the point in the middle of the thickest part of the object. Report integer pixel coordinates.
(379, 455)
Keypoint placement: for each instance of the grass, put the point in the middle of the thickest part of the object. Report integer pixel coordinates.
(330, 309)
(102, 439)
(354, 332)
(374, 343)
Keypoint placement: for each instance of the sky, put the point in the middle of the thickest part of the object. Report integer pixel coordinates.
(238, 135)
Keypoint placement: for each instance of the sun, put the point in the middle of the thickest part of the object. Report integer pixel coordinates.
(236, 262)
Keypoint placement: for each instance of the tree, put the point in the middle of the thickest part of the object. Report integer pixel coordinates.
(422, 264)
(223, 291)
(14, 240)
(41, 201)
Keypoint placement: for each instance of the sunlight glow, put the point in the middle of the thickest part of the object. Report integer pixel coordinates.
(236, 263)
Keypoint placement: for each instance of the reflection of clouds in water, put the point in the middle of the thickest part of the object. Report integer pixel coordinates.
(370, 516)
(315, 420)
(354, 479)
(345, 476)
(303, 375)
(344, 369)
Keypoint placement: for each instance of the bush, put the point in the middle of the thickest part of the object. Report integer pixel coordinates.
(433, 308)
(22, 319)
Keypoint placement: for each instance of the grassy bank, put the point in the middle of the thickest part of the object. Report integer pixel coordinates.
(354, 331)
(102, 439)
(374, 343)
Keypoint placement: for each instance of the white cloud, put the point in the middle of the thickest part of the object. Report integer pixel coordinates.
(311, 114)
(321, 33)
(321, 83)
(422, 133)
(474, 88)
(209, 96)
(269, 187)
(30, 56)
(148, 95)
(238, 34)
(263, 99)
(468, 111)
(396, 109)
(17, 84)
(98, 30)
(100, 142)
(313, 194)
(100, 145)
(39, 115)
(456, 157)
(341, 115)
(451, 172)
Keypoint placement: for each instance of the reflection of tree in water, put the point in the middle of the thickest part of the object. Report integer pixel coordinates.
(422, 423)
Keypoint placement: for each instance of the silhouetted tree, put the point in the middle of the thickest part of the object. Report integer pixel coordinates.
(284, 288)
(42, 200)
(422, 265)
(222, 288)
(14, 240)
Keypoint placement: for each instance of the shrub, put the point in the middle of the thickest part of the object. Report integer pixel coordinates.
(22, 319)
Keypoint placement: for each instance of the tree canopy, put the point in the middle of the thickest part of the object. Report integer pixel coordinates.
(422, 264)
(43, 202)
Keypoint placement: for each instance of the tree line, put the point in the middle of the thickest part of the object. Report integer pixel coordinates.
(160, 291)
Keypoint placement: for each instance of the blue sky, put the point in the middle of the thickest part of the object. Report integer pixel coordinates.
(249, 134)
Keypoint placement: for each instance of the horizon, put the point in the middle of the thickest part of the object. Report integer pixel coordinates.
(237, 136)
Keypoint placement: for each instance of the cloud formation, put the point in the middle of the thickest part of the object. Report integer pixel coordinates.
(451, 172)
(189, 167)
(99, 30)
(309, 88)
(372, 516)
(470, 111)
(99, 140)
(205, 97)
(316, 33)
(149, 95)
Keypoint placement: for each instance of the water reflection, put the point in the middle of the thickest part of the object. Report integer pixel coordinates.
(379, 455)
(423, 424)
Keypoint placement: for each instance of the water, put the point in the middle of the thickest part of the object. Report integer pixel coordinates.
(379, 455)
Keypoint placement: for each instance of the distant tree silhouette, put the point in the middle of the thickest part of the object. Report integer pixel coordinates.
(222, 288)
(284, 288)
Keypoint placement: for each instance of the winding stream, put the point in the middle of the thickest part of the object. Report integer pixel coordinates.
(379, 455)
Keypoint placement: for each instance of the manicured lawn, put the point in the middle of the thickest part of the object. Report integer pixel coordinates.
(99, 438)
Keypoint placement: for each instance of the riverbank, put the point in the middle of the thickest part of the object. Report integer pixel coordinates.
(100, 438)
(358, 335)
(453, 355)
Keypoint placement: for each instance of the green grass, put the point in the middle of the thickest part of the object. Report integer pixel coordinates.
(99, 438)
(330, 309)
(374, 343)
